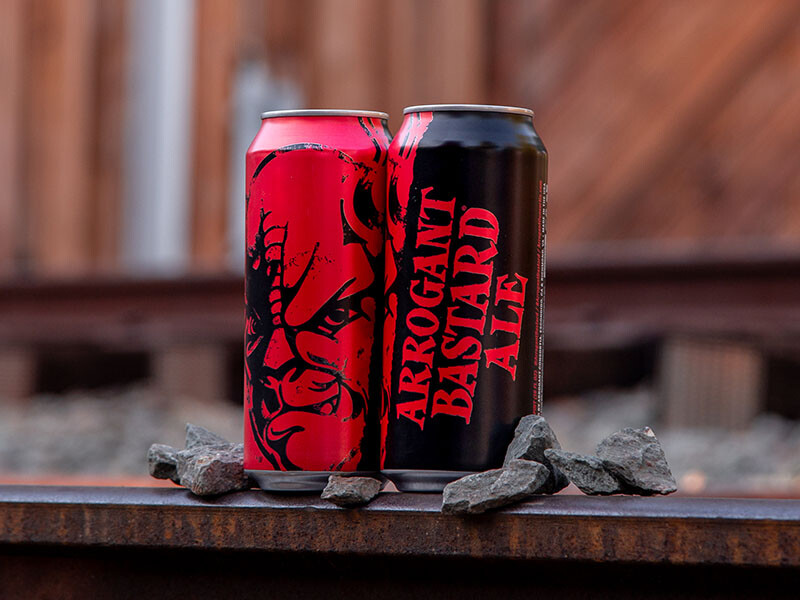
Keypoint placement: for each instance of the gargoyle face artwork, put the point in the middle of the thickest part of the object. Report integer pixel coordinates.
(314, 263)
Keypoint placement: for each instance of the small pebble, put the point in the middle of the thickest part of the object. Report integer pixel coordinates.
(479, 492)
(532, 437)
(350, 491)
(210, 471)
(200, 436)
(586, 472)
(635, 457)
(162, 460)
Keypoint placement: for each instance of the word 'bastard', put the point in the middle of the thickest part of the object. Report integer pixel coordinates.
(455, 266)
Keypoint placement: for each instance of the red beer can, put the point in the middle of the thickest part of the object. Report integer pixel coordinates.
(316, 190)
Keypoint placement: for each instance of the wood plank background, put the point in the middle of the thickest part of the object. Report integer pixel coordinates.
(674, 122)
(11, 66)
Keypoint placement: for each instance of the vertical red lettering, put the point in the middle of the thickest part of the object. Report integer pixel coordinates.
(479, 222)
(456, 404)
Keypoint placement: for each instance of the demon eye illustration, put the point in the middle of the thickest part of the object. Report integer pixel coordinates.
(314, 246)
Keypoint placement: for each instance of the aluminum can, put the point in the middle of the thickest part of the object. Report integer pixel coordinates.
(316, 192)
(464, 294)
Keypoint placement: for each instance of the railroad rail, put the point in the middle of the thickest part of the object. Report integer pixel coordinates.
(628, 291)
(155, 542)
(604, 297)
(601, 292)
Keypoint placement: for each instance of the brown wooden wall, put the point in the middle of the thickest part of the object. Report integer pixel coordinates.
(61, 114)
(675, 121)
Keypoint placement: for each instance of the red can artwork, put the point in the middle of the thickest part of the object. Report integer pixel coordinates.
(316, 185)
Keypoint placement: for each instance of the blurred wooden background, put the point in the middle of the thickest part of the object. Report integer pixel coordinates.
(668, 121)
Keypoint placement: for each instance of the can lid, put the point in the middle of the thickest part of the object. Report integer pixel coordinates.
(324, 112)
(515, 110)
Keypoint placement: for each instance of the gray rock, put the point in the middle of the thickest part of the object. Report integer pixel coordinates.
(209, 470)
(635, 457)
(162, 461)
(200, 436)
(586, 472)
(557, 481)
(480, 492)
(466, 495)
(350, 491)
(531, 438)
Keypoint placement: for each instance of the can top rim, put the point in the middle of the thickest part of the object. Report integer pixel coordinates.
(324, 112)
(515, 110)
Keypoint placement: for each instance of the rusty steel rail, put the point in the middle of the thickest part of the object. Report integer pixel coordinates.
(608, 308)
(596, 296)
(69, 542)
(680, 531)
(626, 292)
(122, 311)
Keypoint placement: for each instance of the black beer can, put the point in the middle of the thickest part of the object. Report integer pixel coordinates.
(464, 290)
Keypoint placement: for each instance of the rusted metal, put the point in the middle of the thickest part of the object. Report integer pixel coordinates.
(608, 309)
(69, 542)
(596, 294)
(122, 311)
(626, 292)
(679, 531)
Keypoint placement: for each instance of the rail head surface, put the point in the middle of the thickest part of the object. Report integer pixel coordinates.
(680, 531)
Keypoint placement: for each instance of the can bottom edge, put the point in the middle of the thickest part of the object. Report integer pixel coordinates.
(422, 480)
(299, 481)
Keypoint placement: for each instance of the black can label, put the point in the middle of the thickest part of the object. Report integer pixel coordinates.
(464, 292)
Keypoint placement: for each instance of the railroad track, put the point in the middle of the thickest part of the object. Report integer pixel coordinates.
(612, 292)
(598, 299)
(137, 542)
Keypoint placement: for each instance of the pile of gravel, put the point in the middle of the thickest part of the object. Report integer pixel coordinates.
(208, 464)
(630, 461)
(761, 459)
(104, 433)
